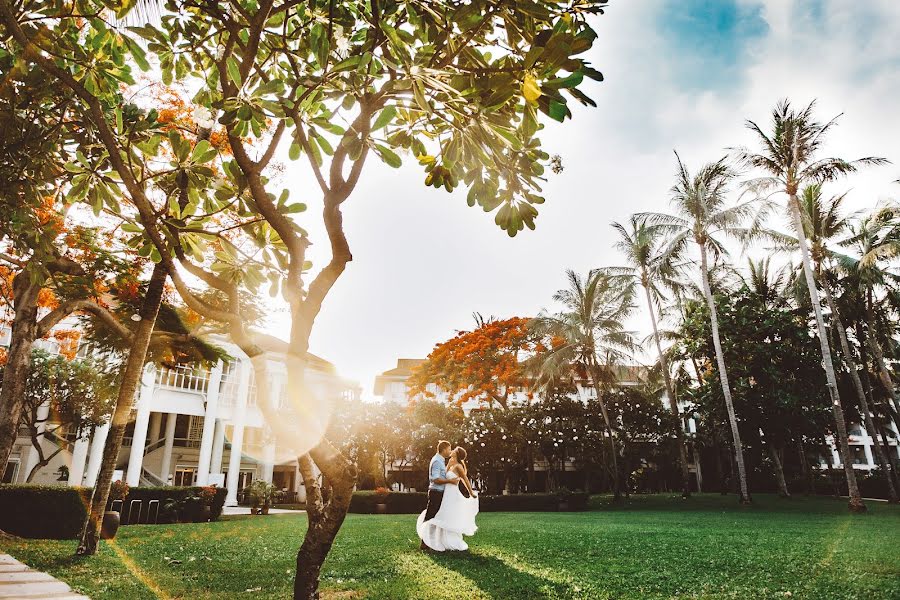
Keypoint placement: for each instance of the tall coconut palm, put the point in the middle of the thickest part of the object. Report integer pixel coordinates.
(823, 221)
(642, 246)
(700, 201)
(789, 158)
(590, 337)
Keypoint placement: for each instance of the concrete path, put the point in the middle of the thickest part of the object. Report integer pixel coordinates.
(20, 582)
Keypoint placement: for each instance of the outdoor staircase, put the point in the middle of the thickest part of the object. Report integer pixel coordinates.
(151, 479)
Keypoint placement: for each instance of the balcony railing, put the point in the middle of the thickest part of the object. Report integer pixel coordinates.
(183, 377)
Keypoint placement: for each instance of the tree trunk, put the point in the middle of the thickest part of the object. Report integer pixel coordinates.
(24, 332)
(723, 377)
(325, 517)
(884, 376)
(617, 489)
(673, 402)
(856, 503)
(805, 470)
(860, 392)
(131, 376)
(779, 471)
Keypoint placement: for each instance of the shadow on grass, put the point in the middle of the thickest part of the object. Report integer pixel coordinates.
(501, 579)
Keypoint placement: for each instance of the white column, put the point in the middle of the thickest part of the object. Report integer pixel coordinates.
(209, 424)
(835, 457)
(215, 463)
(268, 460)
(79, 457)
(237, 436)
(141, 423)
(155, 424)
(32, 458)
(165, 468)
(98, 441)
(867, 447)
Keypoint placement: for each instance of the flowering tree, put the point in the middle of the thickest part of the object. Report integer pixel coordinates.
(487, 364)
(62, 393)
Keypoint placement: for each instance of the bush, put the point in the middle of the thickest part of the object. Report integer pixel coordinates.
(42, 511)
(58, 512)
(414, 502)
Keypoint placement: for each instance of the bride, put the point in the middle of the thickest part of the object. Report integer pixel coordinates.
(456, 517)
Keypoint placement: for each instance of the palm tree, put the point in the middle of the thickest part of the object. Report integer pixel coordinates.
(700, 201)
(875, 238)
(641, 245)
(789, 159)
(590, 337)
(822, 222)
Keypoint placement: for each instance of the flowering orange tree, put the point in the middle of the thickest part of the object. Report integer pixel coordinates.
(486, 364)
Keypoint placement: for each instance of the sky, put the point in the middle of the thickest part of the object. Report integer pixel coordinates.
(679, 75)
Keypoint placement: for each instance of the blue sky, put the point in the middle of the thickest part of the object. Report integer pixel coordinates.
(678, 75)
(709, 39)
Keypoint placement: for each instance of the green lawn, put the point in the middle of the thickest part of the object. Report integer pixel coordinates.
(654, 547)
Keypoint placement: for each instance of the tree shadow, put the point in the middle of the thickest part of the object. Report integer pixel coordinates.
(500, 579)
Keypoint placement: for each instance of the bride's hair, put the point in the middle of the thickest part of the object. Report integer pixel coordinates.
(461, 455)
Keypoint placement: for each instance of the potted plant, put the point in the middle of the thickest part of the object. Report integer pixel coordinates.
(112, 518)
(261, 494)
(563, 494)
(381, 494)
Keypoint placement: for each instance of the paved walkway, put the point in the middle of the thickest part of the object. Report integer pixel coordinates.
(19, 581)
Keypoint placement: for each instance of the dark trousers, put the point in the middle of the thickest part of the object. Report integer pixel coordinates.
(435, 497)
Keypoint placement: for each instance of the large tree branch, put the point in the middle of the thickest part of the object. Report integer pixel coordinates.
(65, 309)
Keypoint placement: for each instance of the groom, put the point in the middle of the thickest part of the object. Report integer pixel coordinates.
(437, 478)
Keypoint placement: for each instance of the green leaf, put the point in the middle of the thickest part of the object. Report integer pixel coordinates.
(294, 151)
(234, 71)
(558, 111)
(202, 148)
(384, 117)
(388, 156)
(140, 57)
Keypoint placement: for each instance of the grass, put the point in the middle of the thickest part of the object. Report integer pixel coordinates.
(653, 547)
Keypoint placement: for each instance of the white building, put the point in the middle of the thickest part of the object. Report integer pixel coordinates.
(193, 425)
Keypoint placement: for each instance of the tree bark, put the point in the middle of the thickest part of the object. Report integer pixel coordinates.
(617, 488)
(134, 367)
(15, 372)
(673, 402)
(884, 376)
(805, 470)
(723, 377)
(325, 517)
(779, 471)
(860, 392)
(856, 503)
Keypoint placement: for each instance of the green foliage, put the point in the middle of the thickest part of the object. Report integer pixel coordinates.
(774, 367)
(37, 511)
(81, 394)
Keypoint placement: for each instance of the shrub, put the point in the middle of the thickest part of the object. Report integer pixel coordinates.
(414, 502)
(40, 511)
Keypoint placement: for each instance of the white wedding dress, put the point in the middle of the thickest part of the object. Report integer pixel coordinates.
(455, 519)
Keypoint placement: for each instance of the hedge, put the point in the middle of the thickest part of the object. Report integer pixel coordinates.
(414, 502)
(58, 512)
(43, 511)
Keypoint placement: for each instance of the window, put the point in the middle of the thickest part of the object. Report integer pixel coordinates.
(184, 476)
(12, 469)
(859, 455)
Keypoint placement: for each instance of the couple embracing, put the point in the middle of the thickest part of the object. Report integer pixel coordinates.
(452, 504)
